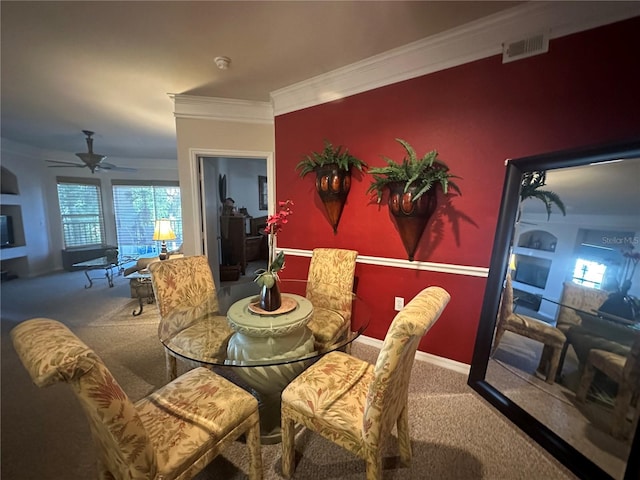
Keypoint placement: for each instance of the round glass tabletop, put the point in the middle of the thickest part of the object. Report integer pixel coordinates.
(249, 337)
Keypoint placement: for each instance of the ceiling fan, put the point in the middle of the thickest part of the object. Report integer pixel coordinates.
(93, 161)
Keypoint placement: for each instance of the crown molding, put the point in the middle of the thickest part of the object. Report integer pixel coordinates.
(224, 109)
(473, 41)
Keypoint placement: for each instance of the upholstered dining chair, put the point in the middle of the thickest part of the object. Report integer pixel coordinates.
(188, 303)
(552, 338)
(330, 289)
(356, 404)
(625, 371)
(172, 433)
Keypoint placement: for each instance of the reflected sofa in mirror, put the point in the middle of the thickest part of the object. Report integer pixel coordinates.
(572, 260)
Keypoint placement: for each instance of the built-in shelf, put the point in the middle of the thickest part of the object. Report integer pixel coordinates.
(13, 257)
(538, 240)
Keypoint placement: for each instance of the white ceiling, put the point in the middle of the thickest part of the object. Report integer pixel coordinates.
(109, 66)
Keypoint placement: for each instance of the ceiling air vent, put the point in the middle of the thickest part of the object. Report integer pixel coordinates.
(528, 47)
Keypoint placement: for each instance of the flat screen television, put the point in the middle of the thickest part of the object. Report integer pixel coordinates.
(534, 274)
(6, 231)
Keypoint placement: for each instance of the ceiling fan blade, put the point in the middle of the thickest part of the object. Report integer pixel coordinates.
(61, 163)
(111, 166)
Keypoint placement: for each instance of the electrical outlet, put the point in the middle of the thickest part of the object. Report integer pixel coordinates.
(399, 303)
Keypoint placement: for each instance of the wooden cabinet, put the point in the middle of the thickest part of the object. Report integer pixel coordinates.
(232, 237)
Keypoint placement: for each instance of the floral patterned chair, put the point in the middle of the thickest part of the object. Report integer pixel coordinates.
(330, 289)
(625, 371)
(188, 304)
(552, 338)
(355, 404)
(577, 297)
(171, 434)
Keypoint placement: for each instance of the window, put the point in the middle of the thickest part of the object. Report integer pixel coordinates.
(137, 205)
(81, 211)
(588, 273)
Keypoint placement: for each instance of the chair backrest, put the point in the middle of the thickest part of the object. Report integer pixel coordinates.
(581, 298)
(388, 392)
(330, 279)
(51, 353)
(185, 293)
(631, 371)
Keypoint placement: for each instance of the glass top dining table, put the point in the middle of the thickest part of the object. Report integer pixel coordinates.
(265, 351)
(266, 336)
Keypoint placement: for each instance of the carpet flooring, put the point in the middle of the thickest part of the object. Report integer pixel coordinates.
(44, 435)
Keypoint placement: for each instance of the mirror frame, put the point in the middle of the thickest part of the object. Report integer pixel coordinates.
(564, 452)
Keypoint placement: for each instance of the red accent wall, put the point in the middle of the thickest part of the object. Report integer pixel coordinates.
(584, 91)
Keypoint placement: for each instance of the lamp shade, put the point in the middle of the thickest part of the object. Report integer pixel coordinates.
(163, 230)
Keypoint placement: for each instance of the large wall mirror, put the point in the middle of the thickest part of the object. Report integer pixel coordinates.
(558, 347)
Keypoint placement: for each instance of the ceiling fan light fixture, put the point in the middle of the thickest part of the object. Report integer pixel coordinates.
(222, 62)
(92, 160)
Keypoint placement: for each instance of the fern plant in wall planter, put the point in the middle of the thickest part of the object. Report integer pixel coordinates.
(332, 167)
(530, 188)
(412, 185)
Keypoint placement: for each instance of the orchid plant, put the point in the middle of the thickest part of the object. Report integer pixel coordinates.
(268, 277)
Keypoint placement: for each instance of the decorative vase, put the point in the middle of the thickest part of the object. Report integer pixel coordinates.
(411, 216)
(333, 185)
(270, 298)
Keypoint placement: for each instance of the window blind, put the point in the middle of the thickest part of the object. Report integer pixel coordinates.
(81, 212)
(137, 206)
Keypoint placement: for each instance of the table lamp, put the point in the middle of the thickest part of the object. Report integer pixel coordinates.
(164, 232)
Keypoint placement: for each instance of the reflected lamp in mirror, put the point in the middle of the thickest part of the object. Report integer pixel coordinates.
(163, 232)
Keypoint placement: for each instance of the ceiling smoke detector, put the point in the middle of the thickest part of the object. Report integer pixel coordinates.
(222, 62)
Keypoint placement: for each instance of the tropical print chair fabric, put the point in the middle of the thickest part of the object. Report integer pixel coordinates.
(330, 286)
(189, 319)
(171, 434)
(625, 371)
(580, 298)
(355, 404)
(552, 338)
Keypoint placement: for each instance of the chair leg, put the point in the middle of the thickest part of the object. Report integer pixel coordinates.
(288, 447)
(496, 340)
(553, 364)
(404, 439)
(620, 410)
(374, 467)
(171, 366)
(255, 452)
(585, 381)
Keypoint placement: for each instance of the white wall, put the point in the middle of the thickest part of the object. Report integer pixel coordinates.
(242, 183)
(202, 137)
(39, 198)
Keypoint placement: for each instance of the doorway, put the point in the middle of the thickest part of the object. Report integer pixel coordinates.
(241, 178)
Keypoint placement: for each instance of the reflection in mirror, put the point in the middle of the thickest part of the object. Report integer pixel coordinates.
(562, 301)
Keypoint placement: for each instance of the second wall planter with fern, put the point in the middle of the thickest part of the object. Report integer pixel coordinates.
(412, 187)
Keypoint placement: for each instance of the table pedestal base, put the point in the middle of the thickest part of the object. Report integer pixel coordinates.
(268, 382)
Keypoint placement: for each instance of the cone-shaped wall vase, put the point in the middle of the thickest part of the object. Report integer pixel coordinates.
(333, 185)
(411, 217)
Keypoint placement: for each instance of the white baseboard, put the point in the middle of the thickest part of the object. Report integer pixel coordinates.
(422, 356)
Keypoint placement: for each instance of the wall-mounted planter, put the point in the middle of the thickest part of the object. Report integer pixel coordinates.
(412, 184)
(411, 217)
(332, 167)
(333, 185)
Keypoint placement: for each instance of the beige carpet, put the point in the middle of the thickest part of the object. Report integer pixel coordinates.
(44, 434)
(123, 316)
